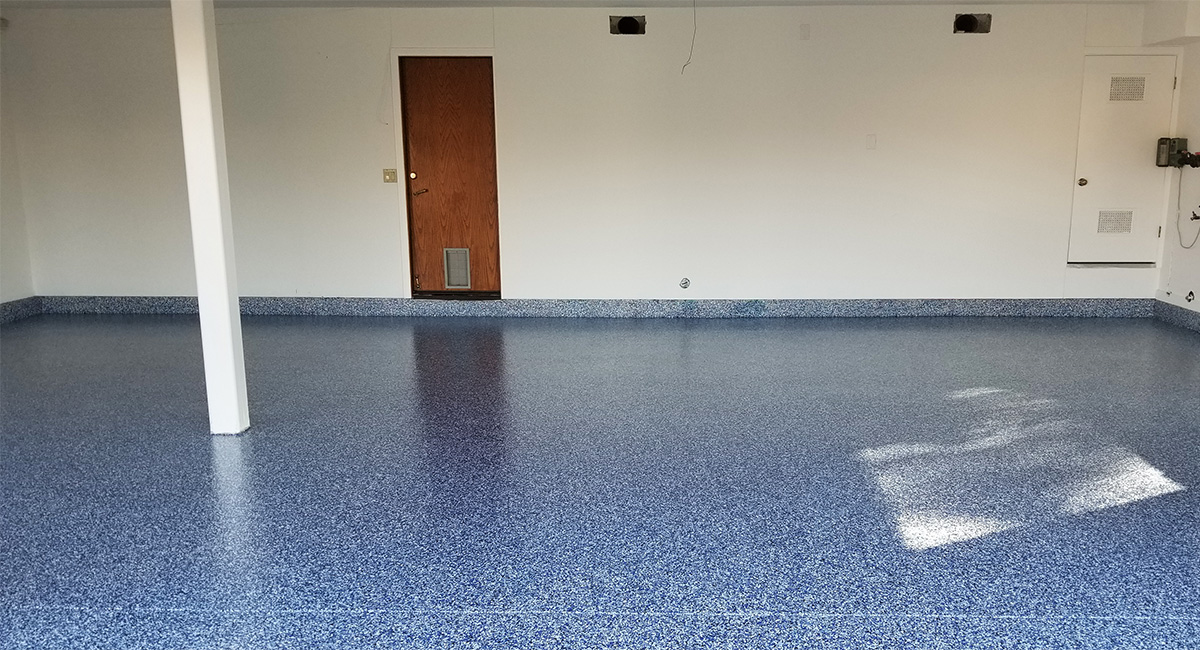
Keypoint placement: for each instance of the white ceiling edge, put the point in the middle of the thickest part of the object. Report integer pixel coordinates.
(96, 4)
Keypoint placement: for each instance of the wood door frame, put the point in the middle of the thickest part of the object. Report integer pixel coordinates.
(398, 127)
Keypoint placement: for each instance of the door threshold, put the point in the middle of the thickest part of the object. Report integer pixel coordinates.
(457, 295)
(1112, 265)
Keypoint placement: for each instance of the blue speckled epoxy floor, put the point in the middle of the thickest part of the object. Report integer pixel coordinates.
(477, 483)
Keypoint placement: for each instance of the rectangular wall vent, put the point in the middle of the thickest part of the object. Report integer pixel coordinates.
(1115, 222)
(458, 267)
(1127, 89)
(972, 23)
(626, 24)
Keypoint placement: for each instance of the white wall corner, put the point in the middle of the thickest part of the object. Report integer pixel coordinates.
(1181, 260)
(16, 270)
(1171, 22)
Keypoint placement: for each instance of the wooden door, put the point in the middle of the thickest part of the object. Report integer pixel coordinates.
(449, 132)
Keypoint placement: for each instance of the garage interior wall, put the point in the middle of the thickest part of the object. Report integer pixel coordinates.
(1181, 267)
(750, 173)
(15, 268)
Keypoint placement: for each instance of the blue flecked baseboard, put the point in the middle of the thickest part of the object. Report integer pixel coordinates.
(1176, 315)
(523, 308)
(15, 310)
(119, 305)
(528, 308)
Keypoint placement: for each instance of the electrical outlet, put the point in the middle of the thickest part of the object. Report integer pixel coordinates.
(389, 176)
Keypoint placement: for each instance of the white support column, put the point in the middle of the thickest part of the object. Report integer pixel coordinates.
(212, 225)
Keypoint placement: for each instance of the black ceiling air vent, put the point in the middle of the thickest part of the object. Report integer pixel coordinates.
(626, 24)
(972, 23)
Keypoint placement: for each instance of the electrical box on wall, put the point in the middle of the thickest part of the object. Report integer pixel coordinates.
(1173, 152)
(1169, 150)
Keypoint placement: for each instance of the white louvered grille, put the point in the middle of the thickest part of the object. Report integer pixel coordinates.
(1127, 89)
(1115, 222)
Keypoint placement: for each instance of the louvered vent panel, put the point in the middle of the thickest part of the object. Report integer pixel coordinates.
(1127, 89)
(1115, 222)
(458, 268)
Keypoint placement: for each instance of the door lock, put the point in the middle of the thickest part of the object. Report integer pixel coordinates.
(1082, 182)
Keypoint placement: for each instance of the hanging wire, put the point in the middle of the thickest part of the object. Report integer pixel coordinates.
(1179, 216)
(693, 48)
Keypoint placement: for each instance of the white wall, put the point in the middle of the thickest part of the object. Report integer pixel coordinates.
(16, 281)
(308, 130)
(750, 175)
(617, 175)
(98, 130)
(1181, 268)
(1115, 25)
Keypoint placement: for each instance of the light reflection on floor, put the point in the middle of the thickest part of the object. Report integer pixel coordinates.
(234, 549)
(1022, 462)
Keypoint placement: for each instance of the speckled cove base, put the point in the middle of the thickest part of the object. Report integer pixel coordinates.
(1176, 315)
(15, 310)
(578, 484)
(517, 308)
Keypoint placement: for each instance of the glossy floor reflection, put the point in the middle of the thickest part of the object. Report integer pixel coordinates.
(443, 483)
(1020, 459)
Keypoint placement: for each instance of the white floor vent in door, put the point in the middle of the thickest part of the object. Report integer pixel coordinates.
(458, 267)
(1115, 222)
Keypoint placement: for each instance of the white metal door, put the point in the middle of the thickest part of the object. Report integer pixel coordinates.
(1119, 193)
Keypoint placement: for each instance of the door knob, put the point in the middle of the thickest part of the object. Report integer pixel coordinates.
(419, 192)
(1082, 182)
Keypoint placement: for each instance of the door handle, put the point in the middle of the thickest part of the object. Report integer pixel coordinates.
(419, 192)
(1082, 182)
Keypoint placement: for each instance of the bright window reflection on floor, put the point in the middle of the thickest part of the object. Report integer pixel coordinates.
(1020, 463)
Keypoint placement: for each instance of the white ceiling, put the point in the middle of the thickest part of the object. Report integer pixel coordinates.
(544, 3)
